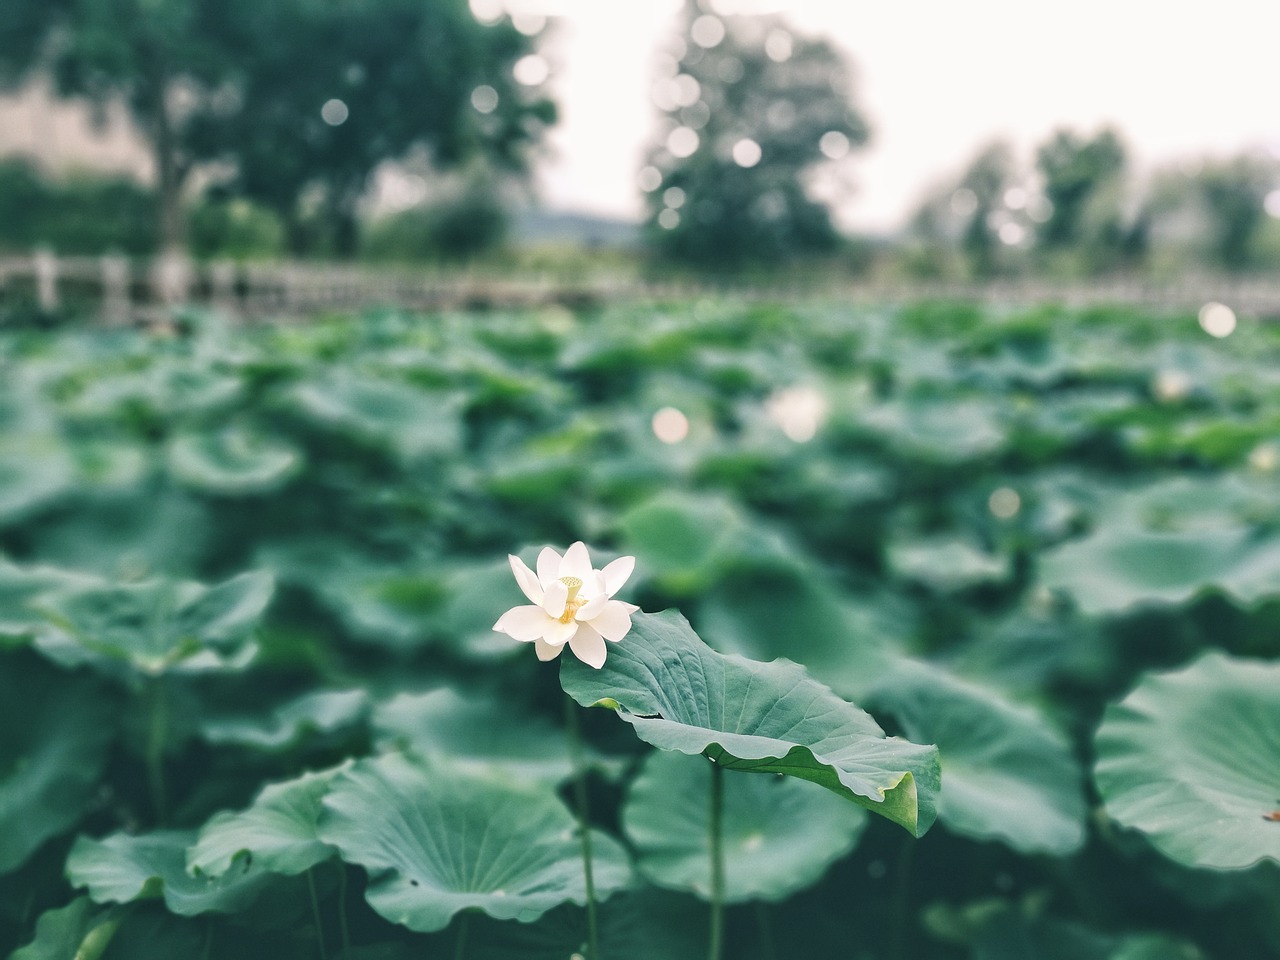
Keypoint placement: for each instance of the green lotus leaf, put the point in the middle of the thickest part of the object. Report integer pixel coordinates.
(36, 468)
(80, 930)
(477, 733)
(947, 563)
(277, 832)
(121, 869)
(1189, 759)
(1115, 568)
(321, 713)
(646, 924)
(1008, 774)
(679, 694)
(436, 840)
(158, 625)
(947, 431)
(57, 729)
(20, 586)
(998, 930)
(780, 834)
(679, 539)
(408, 421)
(794, 610)
(232, 462)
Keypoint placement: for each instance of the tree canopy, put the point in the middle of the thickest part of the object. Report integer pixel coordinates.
(749, 109)
(298, 99)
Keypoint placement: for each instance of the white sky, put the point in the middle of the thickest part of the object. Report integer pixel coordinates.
(937, 79)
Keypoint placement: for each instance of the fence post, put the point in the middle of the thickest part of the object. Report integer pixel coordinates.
(46, 266)
(172, 278)
(115, 290)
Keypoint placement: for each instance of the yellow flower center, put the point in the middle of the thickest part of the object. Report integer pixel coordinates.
(572, 604)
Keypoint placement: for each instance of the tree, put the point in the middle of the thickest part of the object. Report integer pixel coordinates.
(1085, 185)
(1234, 193)
(328, 91)
(299, 98)
(750, 110)
(158, 56)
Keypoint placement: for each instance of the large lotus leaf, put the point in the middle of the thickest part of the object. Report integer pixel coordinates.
(1001, 931)
(646, 924)
(166, 388)
(57, 731)
(1008, 774)
(36, 468)
(794, 611)
(779, 834)
(946, 563)
(123, 868)
(277, 832)
(409, 421)
(130, 533)
(938, 431)
(679, 539)
(158, 625)
(234, 461)
(1117, 567)
(474, 732)
(319, 713)
(390, 604)
(679, 694)
(20, 586)
(436, 841)
(1189, 758)
(79, 931)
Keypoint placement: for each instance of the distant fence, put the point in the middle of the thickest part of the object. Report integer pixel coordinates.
(121, 291)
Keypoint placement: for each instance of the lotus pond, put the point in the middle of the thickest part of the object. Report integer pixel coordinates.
(953, 633)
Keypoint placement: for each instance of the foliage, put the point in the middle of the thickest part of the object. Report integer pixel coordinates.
(80, 214)
(735, 84)
(1042, 540)
(302, 100)
(304, 134)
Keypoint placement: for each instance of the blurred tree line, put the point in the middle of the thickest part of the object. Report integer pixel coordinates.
(270, 124)
(284, 109)
(1080, 210)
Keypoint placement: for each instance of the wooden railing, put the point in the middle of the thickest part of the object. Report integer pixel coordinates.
(119, 291)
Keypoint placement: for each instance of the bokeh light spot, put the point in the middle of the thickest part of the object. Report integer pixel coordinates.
(1015, 198)
(746, 152)
(777, 46)
(531, 70)
(682, 142)
(528, 22)
(484, 98)
(799, 411)
(668, 219)
(1012, 234)
(670, 425)
(707, 31)
(673, 197)
(649, 179)
(334, 112)
(1272, 203)
(487, 11)
(1217, 320)
(834, 145)
(1004, 502)
(685, 90)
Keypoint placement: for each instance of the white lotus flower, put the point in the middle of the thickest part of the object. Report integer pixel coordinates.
(571, 603)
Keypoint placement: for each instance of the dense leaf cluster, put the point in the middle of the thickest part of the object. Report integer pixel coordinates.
(252, 705)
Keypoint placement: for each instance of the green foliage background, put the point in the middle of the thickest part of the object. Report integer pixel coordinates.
(250, 575)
